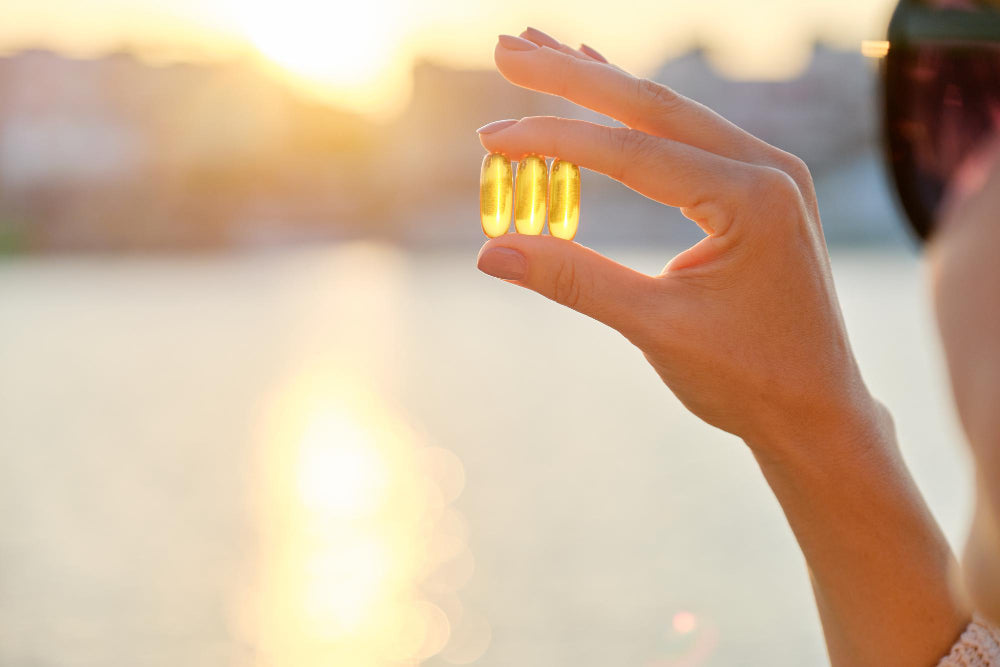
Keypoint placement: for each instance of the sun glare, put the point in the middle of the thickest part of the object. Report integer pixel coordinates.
(339, 469)
(343, 51)
(362, 552)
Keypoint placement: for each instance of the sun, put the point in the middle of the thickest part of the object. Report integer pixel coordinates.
(343, 50)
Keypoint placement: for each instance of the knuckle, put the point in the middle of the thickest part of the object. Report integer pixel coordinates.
(777, 192)
(777, 185)
(566, 289)
(559, 136)
(657, 97)
(617, 139)
(630, 147)
(565, 73)
(795, 167)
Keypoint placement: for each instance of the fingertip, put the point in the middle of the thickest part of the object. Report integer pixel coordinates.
(489, 142)
(593, 53)
(502, 261)
(526, 244)
(511, 43)
(514, 141)
(489, 242)
(540, 38)
(496, 126)
(498, 53)
(508, 60)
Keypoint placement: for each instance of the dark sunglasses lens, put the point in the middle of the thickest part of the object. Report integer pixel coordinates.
(943, 104)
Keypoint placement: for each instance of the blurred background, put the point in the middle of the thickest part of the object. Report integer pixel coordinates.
(258, 407)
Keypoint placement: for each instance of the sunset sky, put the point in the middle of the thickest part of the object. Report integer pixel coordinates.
(359, 54)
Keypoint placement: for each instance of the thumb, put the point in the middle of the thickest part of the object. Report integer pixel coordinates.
(574, 276)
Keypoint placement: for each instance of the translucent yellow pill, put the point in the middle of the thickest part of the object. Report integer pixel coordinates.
(530, 191)
(564, 200)
(496, 190)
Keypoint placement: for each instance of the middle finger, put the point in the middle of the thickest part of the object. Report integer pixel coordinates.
(638, 103)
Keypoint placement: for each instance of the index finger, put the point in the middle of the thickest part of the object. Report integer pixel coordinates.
(667, 171)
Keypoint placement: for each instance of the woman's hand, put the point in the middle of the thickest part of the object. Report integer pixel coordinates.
(744, 326)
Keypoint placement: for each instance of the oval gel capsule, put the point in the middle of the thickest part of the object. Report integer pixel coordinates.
(564, 200)
(530, 192)
(496, 190)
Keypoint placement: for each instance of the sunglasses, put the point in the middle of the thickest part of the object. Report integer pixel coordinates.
(940, 100)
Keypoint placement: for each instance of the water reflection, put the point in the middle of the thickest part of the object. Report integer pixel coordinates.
(129, 387)
(363, 552)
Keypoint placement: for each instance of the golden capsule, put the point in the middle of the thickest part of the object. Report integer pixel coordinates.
(496, 190)
(564, 200)
(530, 191)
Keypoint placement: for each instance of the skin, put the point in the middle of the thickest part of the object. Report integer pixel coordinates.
(745, 329)
(966, 285)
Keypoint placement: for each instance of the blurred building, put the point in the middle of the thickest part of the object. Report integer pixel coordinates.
(115, 154)
(828, 116)
(825, 115)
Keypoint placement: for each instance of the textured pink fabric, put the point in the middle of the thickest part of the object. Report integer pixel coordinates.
(979, 646)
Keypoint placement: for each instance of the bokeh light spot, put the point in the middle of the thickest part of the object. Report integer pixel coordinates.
(684, 622)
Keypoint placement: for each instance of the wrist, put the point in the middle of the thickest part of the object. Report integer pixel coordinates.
(843, 436)
(879, 565)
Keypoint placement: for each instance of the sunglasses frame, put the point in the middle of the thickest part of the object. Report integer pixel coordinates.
(914, 23)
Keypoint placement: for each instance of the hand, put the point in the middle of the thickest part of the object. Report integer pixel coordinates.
(744, 327)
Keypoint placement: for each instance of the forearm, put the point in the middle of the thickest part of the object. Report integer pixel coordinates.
(883, 574)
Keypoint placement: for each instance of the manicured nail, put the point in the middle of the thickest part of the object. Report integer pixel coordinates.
(540, 38)
(496, 126)
(593, 53)
(503, 263)
(512, 43)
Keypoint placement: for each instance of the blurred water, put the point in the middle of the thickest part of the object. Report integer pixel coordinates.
(361, 456)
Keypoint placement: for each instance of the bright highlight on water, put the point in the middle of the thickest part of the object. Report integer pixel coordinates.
(536, 190)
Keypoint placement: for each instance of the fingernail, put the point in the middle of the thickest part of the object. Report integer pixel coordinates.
(512, 43)
(496, 126)
(503, 263)
(539, 37)
(593, 53)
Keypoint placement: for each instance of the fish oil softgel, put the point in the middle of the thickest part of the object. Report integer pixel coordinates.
(564, 200)
(496, 191)
(537, 191)
(530, 195)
